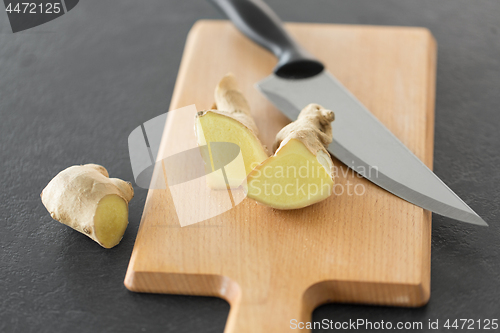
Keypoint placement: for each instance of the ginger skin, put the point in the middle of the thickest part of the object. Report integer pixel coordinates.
(313, 128)
(84, 198)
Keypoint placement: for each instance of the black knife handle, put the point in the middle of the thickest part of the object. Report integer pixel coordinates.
(259, 23)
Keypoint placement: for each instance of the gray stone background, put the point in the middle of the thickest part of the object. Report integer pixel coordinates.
(72, 90)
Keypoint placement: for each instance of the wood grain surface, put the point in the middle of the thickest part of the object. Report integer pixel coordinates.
(275, 266)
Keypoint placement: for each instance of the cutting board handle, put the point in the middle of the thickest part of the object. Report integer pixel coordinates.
(274, 313)
(258, 22)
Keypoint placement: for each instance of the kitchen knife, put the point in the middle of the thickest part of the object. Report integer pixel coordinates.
(359, 140)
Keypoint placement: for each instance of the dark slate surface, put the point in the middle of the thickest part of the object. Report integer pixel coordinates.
(72, 90)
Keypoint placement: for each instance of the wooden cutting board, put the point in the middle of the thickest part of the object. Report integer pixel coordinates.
(275, 266)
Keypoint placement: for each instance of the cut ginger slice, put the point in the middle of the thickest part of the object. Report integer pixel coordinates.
(293, 178)
(223, 129)
(301, 171)
(213, 126)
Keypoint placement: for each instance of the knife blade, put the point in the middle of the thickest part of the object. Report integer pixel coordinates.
(360, 140)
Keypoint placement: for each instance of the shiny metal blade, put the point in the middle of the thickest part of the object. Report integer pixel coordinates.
(363, 143)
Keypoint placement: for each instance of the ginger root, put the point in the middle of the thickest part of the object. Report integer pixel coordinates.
(301, 171)
(84, 198)
(230, 121)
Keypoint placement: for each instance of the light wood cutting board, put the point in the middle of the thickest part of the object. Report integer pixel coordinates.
(274, 266)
